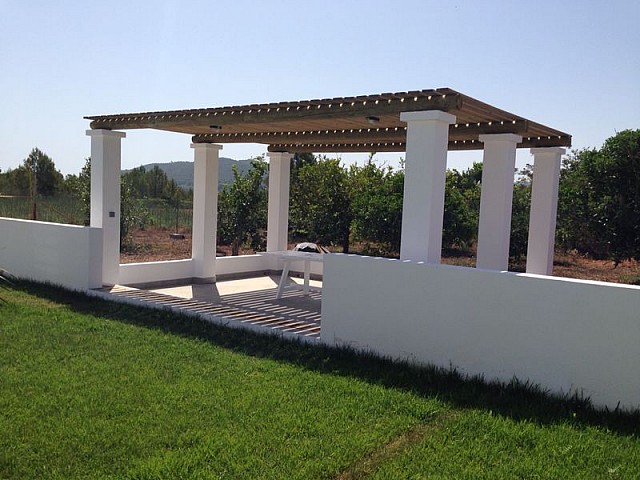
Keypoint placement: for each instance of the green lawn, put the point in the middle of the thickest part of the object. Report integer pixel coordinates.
(92, 389)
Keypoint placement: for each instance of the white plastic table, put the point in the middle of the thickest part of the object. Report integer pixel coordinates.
(289, 257)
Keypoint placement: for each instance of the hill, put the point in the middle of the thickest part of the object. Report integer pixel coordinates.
(182, 172)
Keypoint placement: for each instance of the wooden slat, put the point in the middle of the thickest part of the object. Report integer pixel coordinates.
(355, 108)
(359, 135)
(340, 123)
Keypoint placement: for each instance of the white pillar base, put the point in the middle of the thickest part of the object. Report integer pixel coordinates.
(205, 211)
(278, 216)
(544, 208)
(424, 179)
(105, 197)
(496, 199)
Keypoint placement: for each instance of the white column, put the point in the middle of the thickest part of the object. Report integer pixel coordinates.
(105, 197)
(544, 207)
(278, 217)
(424, 179)
(205, 211)
(496, 199)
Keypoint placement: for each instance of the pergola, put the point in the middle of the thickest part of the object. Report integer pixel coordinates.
(425, 124)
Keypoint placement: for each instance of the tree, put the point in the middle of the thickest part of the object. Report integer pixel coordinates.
(36, 176)
(48, 179)
(131, 211)
(520, 209)
(154, 183)
(301, 159)
(3, 182)
(158, 182)
(138, 179)
(81, 189)
(461, 207)
(242, 207)
(376, 204)
(320, 203)
(15, 181)
(599, 200)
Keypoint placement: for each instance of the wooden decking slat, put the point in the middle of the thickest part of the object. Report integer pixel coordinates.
(249, 308)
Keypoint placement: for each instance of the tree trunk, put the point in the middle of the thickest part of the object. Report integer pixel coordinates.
(345, 243)
(235, 247)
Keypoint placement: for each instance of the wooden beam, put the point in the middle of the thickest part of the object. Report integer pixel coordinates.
(302, 111)
(461, 131)
(365, 147)
(541, 142)
(359, 135)
(399, 146)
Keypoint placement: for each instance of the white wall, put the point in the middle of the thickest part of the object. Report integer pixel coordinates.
(66, 255)
(567, 335)
(141, 273)
(134, 273)
(259, 263)
(71, 256)
(243, 264)
(315, 268)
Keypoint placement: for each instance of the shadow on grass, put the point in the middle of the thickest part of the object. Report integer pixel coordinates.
(516, 400)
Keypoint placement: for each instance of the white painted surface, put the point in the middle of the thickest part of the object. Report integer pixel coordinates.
(424, 179)
(567, 335)
(66, 255)
(205, 209)
(105, 197)
(243, 264)
(544, 209)
(259, 262)
(147, 272)
(496, 198)
(278, 211)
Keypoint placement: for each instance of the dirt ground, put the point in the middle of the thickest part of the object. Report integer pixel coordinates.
(157, 245)
(152, 245)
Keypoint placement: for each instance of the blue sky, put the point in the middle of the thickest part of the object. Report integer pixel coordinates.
(572, 65)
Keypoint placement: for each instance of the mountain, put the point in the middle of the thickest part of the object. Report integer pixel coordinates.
(182, 172)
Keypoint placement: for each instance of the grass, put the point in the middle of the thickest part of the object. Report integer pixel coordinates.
(92, 389)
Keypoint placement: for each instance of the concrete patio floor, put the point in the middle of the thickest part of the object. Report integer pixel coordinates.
(241, 303)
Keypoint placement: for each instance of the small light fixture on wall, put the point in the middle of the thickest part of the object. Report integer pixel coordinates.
(215, 128)
(373, 120)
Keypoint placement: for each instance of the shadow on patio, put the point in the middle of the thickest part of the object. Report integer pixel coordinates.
(249, 303)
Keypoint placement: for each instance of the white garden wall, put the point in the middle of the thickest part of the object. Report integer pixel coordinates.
(259, 263)
(176, 270)
(149, 272)
(243, 264)
(66, 255)
(71, 256)
(566, 335)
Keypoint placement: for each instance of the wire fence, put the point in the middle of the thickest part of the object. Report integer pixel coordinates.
(70, 210)
(58, 209)
(169, 217)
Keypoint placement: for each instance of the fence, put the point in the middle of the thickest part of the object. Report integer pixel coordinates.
(67, 209)
(566, 335)
(66, 255)
(58, 209)
(158, 214)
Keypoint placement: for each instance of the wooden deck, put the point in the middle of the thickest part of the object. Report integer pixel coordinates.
(295, 314)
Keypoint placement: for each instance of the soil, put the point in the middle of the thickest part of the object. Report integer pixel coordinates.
(157, 245)
(574, 265)
(154, 245)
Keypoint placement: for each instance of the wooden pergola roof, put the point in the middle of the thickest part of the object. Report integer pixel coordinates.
(367, 123)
